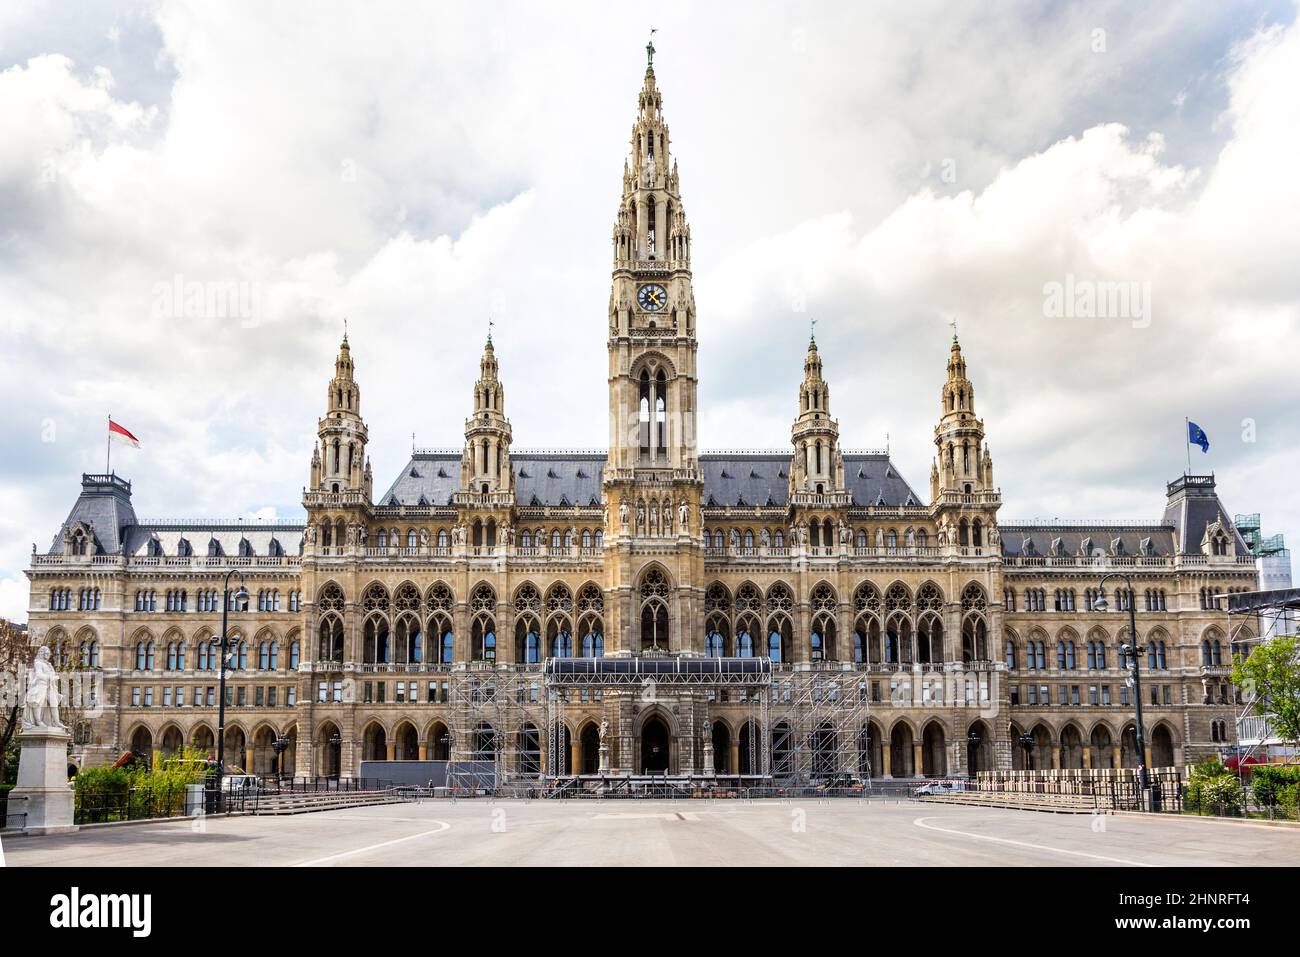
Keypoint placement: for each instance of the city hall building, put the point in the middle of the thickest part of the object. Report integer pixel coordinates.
(649, 609)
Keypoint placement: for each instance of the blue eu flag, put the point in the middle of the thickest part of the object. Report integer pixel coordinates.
(1196, 436)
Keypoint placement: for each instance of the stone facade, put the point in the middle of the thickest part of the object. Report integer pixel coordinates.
(964, 643)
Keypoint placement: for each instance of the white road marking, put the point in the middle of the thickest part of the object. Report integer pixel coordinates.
(669, 816)
(920, 822)
(442, 826)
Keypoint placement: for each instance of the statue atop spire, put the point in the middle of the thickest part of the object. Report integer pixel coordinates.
(650, 53)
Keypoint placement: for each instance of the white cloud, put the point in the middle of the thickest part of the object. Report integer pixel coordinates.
(418, 171)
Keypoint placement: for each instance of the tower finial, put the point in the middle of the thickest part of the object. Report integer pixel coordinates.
(953, 322)
(490, 330)
(650, 52)
(812, 335)
(345, 328)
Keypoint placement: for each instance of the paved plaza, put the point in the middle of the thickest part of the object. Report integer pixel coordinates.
(670, 833)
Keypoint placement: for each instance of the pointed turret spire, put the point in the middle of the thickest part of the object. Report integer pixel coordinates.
(337, 460)
(485, 465)
(818, 464)
(963, 463)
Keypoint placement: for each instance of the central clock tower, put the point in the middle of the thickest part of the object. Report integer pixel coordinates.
(652, 345)
(652, 481)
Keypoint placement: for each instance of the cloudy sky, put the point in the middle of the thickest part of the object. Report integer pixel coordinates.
(417, 170)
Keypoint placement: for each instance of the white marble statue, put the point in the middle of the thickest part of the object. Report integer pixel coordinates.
(41, 702)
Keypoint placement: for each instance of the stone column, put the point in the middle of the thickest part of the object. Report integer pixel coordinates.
(735, 758)
(886, 759)
(1117, 757)
(1087, 756)
(918, 754)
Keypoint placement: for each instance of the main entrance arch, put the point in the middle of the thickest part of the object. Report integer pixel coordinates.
(655, 747)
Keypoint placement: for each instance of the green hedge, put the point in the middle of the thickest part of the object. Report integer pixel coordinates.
(1211, 786)
(162, 785)
(1272, 786)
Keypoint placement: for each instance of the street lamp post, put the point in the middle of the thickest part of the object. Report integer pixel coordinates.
(279, 746)
(241, 598)
(1027, 742)
(1133, 652)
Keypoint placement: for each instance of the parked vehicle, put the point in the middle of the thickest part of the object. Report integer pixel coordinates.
(235, 783)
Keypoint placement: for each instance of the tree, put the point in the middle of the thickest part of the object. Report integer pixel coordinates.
(15, 656)
(1269, 678)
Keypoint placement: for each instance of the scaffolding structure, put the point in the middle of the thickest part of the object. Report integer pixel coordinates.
(496, 719)
(820, 730)
(1266, 614)
(509, 726)
(652, 678)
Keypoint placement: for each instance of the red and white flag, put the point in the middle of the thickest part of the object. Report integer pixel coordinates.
(116, 431)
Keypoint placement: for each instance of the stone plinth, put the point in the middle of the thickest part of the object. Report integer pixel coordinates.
(42, 800)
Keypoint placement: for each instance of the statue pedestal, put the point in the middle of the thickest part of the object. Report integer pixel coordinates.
(707, 770)
(42, 800)
(604, 759)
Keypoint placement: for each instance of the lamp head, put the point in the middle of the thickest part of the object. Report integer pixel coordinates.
(1100, 603)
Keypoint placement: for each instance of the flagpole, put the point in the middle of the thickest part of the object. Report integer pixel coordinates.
(1187, 441)
(108, 450)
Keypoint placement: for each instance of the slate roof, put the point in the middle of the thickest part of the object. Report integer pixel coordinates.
(573, 478)
(549, 478)
(105, 504)
(730, 479)
(1192, 504)
(762, 478)
(1072, 541)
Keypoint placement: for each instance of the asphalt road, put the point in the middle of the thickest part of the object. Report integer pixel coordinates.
(670, 833)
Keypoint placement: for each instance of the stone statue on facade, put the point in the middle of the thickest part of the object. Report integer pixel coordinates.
(765, 538)
(684, 513)
(846, 533)
(622, 514)
(424, 538)
(733, 538)
(41, 700)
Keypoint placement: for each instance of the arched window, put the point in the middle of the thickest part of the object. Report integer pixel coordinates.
(654, 611)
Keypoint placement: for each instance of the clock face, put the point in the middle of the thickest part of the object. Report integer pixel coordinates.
(652, 297)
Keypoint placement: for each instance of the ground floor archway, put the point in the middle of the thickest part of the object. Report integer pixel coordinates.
(979, 748)
(589, 748)
(902, 761)
(934, 754)
(656, 751)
